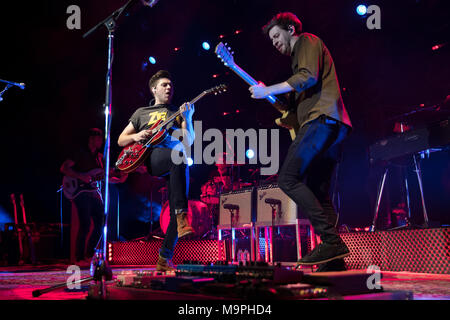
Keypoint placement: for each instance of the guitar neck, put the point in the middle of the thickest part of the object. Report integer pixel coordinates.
(251, 81)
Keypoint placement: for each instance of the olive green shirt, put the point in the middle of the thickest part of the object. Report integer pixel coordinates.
(315, 82)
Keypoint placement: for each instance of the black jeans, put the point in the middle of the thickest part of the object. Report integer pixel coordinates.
(306, 173)
(159, 163)
(88, 205)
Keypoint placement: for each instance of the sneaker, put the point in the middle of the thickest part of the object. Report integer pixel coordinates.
(184, 228)
(164, 265)
(333, 265)
(325, 252)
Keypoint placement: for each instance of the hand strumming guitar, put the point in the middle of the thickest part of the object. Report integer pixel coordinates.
(142, 135)
(85, 177)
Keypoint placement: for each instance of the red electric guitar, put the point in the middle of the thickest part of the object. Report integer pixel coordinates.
(134, 154)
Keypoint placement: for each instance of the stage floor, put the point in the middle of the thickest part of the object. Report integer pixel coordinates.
(18, 283)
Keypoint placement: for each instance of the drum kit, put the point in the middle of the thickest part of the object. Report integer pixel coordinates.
(203, 214)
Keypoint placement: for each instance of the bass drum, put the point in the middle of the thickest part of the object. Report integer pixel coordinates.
(198, 217)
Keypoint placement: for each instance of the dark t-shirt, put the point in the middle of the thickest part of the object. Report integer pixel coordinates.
(86, 161)
(315, 82)
(145, 117)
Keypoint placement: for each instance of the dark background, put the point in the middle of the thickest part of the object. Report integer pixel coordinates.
(383, 73)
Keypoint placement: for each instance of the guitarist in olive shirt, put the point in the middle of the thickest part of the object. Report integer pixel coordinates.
(89, 203)
(311, 159)
(159, 162)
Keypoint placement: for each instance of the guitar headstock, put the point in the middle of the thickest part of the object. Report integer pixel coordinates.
(216, 90)
(225, 54)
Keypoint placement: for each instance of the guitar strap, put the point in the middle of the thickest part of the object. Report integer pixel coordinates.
(98, 160)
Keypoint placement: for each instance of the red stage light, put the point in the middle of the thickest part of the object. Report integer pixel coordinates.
(438, 46)
(221, 36)
(215, 75)
(176, 49)
(237, 31)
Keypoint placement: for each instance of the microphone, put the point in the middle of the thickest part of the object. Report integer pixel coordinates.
(20, 85)
(272, 201)
(230, 206)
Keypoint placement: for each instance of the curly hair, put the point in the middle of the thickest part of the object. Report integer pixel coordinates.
(284, 20)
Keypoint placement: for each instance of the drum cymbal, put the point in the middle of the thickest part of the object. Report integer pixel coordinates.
(223, 158)
(245, 184)
(234, 164)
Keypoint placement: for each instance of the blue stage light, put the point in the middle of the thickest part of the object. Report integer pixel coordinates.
(206, 45)
(250, 153)
(152, 60)
(361, 9)
(190, 161)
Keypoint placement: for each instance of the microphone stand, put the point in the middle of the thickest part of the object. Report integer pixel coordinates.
(9, 84)
(100, 270)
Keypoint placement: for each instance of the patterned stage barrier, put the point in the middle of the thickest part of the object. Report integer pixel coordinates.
(419, 250)
(146, 252)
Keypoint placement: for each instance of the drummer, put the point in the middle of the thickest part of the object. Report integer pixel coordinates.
(226, 177)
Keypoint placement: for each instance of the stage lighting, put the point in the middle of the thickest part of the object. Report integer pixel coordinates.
(206, 45)
(250, 153)
(190, 161)
(361, 9)
(152, 60)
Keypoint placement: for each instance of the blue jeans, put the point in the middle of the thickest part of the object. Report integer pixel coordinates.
(159, 163)
(307, 170)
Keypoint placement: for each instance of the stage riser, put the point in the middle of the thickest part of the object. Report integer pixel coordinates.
(420, 250)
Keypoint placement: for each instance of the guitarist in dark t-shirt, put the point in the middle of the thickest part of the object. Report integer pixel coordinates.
(89, 201)
(159, 162)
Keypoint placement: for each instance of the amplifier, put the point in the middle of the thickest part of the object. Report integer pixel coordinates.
(286, 211)
(242, 205)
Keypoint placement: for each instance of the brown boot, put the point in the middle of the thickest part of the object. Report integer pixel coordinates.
(164, 265)
(184, 228)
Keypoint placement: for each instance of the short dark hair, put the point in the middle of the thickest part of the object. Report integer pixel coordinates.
(284, 20)
(95, 132)
(161, 74)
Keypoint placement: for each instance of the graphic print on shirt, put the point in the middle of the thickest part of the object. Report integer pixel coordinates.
(155, 116)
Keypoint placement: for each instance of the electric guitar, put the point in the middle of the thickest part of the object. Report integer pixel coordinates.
(72, 187)
(288, 118)
(134, 154)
